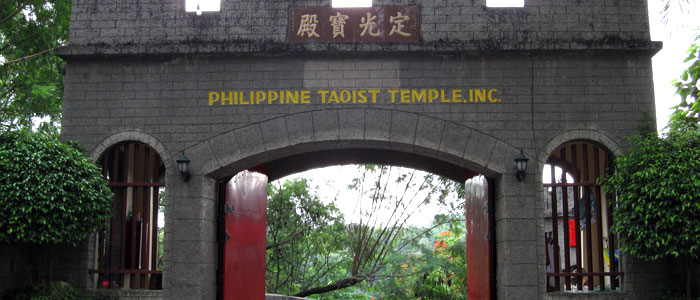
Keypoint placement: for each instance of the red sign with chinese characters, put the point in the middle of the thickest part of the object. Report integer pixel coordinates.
(394, 24)
(572, 233)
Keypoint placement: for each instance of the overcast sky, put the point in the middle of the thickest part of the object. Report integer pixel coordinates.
(668, 63)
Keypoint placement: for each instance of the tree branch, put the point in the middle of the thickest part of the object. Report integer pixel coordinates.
(337, 285)
(9, 62)
(291, 239)
(13, 14)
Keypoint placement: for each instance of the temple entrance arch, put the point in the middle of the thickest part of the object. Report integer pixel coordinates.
(283, 146)
(243, 204)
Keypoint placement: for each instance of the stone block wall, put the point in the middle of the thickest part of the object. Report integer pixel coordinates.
(164, 26)
(545, 96)
(542, 94)
(563, 70)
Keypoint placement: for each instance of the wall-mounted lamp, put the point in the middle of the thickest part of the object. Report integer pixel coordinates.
(521, 164)
(182, 164)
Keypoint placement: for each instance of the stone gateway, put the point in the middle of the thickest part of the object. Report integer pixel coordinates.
(456, 88)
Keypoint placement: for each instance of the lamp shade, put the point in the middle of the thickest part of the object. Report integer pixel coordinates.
(521, 162)
(521, 166)
(182, 164)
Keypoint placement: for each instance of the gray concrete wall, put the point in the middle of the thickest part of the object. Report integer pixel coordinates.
(564, 70)
(118, 27)
(545, 97)
(168, 98)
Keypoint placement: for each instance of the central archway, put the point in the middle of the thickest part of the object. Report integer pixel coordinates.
(243, 207)
(297, 142)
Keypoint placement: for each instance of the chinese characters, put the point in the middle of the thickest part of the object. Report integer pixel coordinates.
(338, 22)
(308, 26)
(395, 24)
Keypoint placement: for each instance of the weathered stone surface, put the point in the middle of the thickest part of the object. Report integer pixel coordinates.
(561, 71)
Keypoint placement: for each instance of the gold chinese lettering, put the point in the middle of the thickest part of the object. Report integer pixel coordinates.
(369, 25)
(397, 24)
(308, 25)
(338, 23)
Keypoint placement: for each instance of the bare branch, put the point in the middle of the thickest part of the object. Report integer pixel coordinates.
(13, 14)
(28, 56)
(337, 285)
(289, 240)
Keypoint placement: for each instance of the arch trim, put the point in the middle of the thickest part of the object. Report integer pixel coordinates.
(352, 128)
(579, 134)
(129, 135)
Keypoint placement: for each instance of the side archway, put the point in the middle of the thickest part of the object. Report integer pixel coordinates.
(587, 135)
(127, 253)
(581, 252)
(130, 135)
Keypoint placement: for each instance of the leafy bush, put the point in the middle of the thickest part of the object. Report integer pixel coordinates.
(658, 212)
(51, 192)
(50, 291)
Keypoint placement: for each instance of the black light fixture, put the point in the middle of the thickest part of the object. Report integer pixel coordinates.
(182, 164)
(521, 164)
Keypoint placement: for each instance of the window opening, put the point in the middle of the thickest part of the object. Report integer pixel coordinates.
(351, 3)
(128, 252)
(505, 3)
(581, 254)
(199, 6)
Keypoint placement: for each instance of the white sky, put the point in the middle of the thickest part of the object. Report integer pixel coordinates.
(204, 5)
(351, 3)
(505, 3)
(332, 183)
(668, 63)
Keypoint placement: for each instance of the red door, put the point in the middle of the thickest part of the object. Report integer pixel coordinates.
(478, 239)
(244, 243)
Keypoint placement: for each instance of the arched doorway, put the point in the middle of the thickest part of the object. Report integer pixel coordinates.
(127, 252)
(580, 251)
(243, 200)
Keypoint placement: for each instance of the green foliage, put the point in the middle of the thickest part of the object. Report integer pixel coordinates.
(48, 291)
(51, 192)
(688, 111)
(672, 292)
(306, 239)
(31, 78)
(312, 253)
(432, 268)
(658, 183)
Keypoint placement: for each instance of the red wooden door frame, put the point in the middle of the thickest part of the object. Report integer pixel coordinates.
(243, 236)
(480, 238)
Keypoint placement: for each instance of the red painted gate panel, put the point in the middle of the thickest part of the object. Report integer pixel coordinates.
(478, 239)
(244, 246)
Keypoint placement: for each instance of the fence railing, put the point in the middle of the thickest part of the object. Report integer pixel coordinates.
(581, 252)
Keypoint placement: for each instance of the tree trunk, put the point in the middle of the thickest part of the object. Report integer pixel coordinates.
(338, 285)
(50, 263)
(688, 277)
(25, 274)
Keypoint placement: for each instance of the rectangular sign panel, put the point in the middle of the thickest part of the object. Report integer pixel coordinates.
(394, 24)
